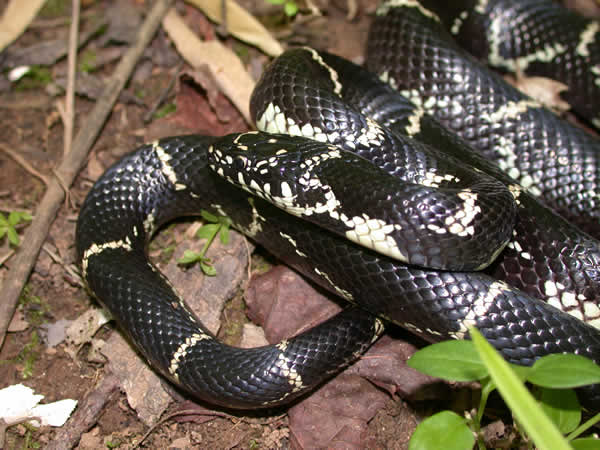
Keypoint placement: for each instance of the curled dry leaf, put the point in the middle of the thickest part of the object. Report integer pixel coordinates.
(544, 90)
(285, 304)
(17, 16)
(336, 416)
(142, 386)
(226, 68)
(241, 24)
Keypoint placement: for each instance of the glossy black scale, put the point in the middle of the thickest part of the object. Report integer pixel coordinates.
(539, 236)
(133, 198)
(508, 30)
(430, 303)
(554, 159)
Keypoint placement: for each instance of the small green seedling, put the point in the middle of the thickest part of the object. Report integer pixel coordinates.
(217, 225)
(8, 226)
(289, 6)
(551, 419)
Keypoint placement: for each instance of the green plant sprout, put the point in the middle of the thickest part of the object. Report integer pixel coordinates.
(217, 225)
(552, 419)
(8, 225)
(289, 6)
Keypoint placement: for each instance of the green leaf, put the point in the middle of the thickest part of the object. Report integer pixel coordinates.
(209, 217)
(290, 9)
(224, 234)
(451, 360)
(592, 421)
(276, 2)
(207, 231)
(207, 268)
(562, 407)
(13, 237)
(564, 371)
(521, 371)
(14, 218)
(3, 221)
(445, 430)
(190, 257)
(585, 444)
(522, 404)
(2, 231)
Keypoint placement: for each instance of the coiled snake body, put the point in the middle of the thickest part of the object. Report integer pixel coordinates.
(365, 170)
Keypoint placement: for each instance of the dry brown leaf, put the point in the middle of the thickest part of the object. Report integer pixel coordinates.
(336, 415)
(142, 386)
(240, 24)
(18, 322)
(17, 15)
(544, 90)
(226, 68)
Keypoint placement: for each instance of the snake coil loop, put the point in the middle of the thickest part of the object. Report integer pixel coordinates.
(355, 137)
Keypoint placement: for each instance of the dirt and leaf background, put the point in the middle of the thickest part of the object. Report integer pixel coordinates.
(83, 83)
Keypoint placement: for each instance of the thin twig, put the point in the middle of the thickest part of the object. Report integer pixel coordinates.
(70, 96)
(20, 160)
(69, 268)
(5, 257)
(87, 413)
(48, 207)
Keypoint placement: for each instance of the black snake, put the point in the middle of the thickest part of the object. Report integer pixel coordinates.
(351, 117)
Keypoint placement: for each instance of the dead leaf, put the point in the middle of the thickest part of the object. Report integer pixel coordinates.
(226, 68)
(124, 21)
(55, 333)
(285, 304)
(241, 24)
(47, 52)
(92, 86)
(17, 16)
(84, 328)
(253, 336)
(18, 322)
(94, 167)
(384, 365)
(545, 90)
(141, 384)
(336, 415)
(195, 111)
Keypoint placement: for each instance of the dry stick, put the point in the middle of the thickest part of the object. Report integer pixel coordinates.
(20, 160)
(87, 414)
(67, 171)
(70, 96)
